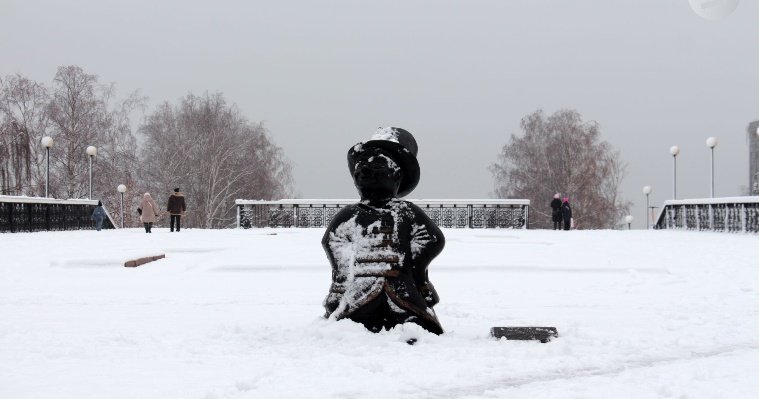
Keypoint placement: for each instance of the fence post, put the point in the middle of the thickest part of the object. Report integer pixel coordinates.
(743, 218)
(727, 218)
(699, 208)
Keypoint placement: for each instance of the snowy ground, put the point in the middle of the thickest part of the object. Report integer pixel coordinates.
(235, 314)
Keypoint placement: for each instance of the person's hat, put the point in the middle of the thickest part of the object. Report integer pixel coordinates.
(557, 196)
(402, 148)
(566, 199)
(176, 190)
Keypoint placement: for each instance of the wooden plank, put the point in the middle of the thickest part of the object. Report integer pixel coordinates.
(542, 334)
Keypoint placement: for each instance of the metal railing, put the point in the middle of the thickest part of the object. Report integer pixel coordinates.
(19, 214)
(459, 213)
(733, 214)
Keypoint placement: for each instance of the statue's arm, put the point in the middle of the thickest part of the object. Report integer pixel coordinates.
(427, 241)
(330, 235)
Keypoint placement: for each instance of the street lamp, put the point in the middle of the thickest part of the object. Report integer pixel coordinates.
(712, 142)
(47, 142)
(647, 191)
(629, 220)
(91, 151)
(122, 189)
(674, 150)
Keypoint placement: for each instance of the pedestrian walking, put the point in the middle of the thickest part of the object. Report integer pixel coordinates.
(176, 208)
(149, 212)
(566, 213)
(556, 211)
(98, 215)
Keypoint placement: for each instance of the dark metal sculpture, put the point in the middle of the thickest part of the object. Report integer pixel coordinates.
(380, 247)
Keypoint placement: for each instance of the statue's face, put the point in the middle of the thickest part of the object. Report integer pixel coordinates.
(376, 175)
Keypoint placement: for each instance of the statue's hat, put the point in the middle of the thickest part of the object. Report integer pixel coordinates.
(400, 146)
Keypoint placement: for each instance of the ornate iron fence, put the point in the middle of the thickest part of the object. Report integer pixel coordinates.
(464, 213)
(19, 214)
(734, 214)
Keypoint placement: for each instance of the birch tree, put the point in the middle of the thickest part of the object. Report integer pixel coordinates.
(205, 147)
(23, 123)
(563, 154)
(84, 112)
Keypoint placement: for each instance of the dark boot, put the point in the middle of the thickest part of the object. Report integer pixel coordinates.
(147, 227)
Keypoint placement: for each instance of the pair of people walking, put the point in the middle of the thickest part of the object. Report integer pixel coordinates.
(149, 210)
(561, 212)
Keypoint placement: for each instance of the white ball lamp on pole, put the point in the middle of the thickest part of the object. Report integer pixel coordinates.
(47, 142)
(712, 142)
(674, 150)
(122, 190)
(647, 191)
(91, 151)
(629, 219)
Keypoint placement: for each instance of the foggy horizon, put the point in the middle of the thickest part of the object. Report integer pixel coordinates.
(458, 75)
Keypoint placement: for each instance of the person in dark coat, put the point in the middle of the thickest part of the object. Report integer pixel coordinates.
(556, 212)
(566, 213)
(176, 208)
(380, 248)
(98, 215)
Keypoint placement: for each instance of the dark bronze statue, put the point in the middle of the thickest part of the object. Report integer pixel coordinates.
(380, 247)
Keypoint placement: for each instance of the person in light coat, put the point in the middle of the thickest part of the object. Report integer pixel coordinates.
(150, 212)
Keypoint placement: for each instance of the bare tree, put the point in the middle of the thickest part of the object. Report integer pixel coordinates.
(214, 154)
(83, 112)
(23, 123)
(562, 153)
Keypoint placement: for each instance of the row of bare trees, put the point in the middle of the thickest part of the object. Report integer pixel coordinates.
(202, 145)
(561, 153)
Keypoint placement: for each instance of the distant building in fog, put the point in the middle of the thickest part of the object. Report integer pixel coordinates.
(753, 157)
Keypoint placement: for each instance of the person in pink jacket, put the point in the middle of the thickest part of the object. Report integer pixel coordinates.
(149, 213)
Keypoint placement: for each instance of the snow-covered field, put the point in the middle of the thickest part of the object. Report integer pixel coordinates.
(236, 314)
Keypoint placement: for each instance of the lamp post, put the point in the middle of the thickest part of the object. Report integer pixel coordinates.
(674, 150)
(647, 191)
(122, 189)
(629, 220)
(91, 151)
(712, 142)
(47, 142)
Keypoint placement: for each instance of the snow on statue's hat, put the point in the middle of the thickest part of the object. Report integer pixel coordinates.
(400, 146)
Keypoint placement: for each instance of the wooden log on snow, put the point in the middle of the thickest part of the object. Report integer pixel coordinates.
(142, 261)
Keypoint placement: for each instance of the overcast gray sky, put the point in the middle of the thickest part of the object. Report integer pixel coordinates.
(459, 75)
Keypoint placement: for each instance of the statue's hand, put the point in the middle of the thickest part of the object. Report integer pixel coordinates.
(429, 294)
